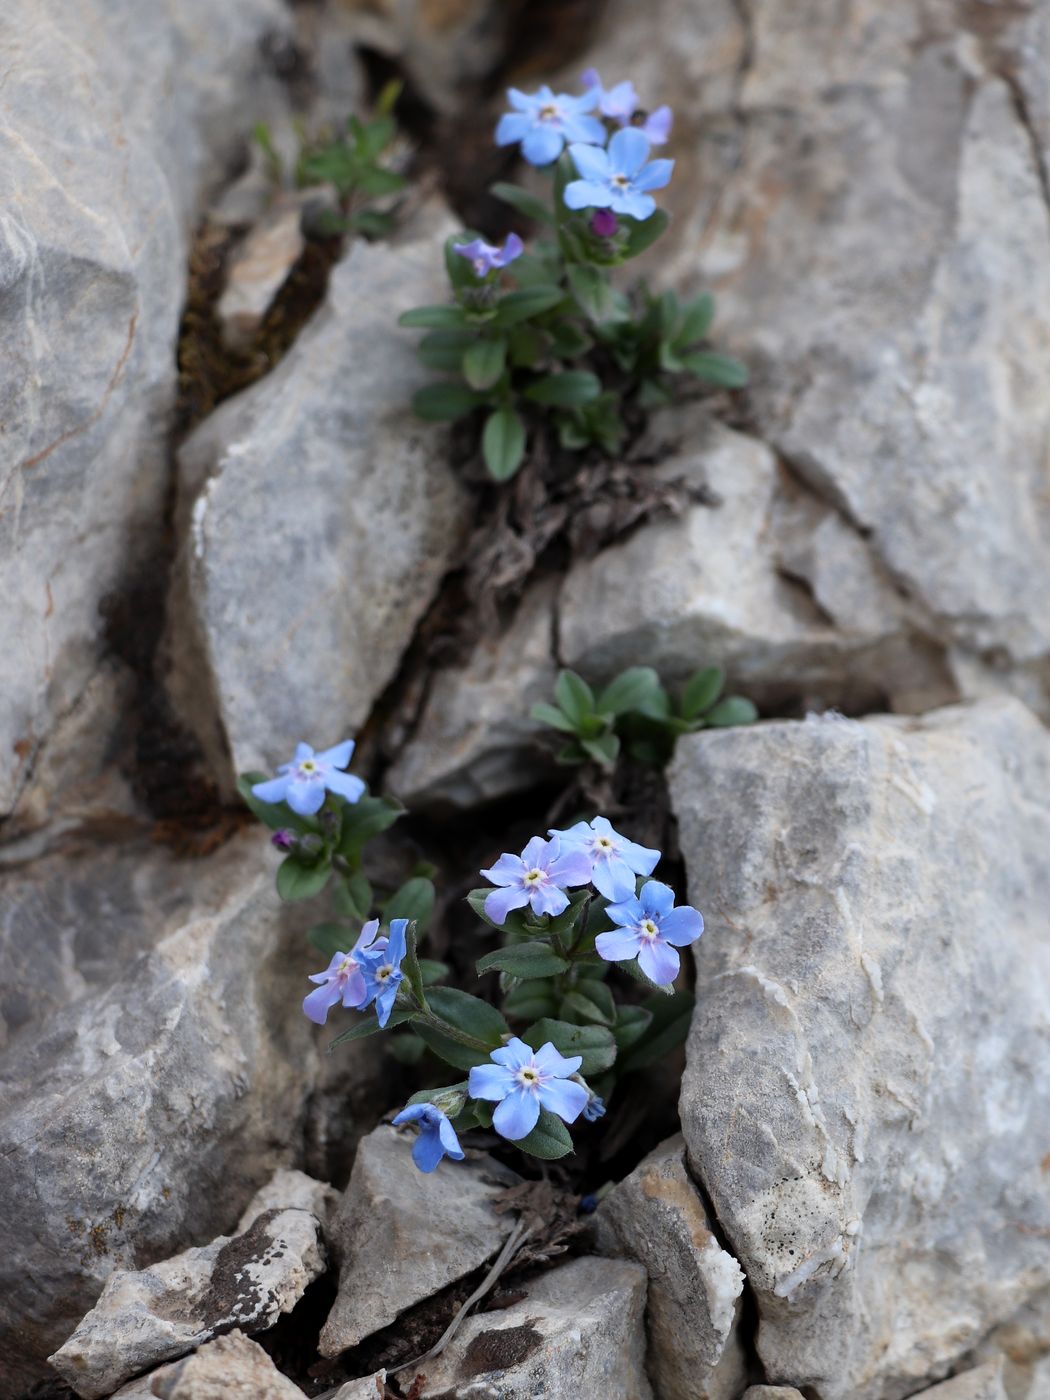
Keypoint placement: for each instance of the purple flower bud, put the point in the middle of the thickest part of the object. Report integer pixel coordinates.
(604, 223)
(283, 839)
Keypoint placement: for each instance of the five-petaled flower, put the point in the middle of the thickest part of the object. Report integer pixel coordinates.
(651, 929)
(304, 782)
(617, 178)
(545, 121)
(381, 969)
(620, 103)
(615, 861)
(538, 877)
(523, 1081)
(437, 1137)
(487, 257)
(342, 980)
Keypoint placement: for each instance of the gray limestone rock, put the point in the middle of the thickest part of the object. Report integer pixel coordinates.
(656, 1217)
(867, 1084)
(401, 1235)
(317, 517)
(772, 1392)
(98, 185)
(155, 1314)
(984, 1383)
(290, 1190)
(578, 1333)
(229, 1368)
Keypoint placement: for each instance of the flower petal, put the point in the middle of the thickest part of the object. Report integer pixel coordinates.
(542, 145)
(637, 206)
(656, 897)
(522, 101)
(548, 899)
(682, 925)
(305, 796)
(345, 785)
(564, 1097)
(628, 150)
(512, 248)
(386, 997)
(490, 1082)
(536, 854)
(367, 936)
(449, 1140)
(355, 993)
(273, 790)
(657, 126)
(626, 914)
(617, 945)
(398, 942)
(659, 961)
(318, 1004)
(572, 868)
(511, 128)
(586, 194)
(613, 878)
(620, 102)
(500, 902)
(339, 756)
(512, 1055)
(643, 860)
(414, 1113)
(593, 164)
(550, 1060)
(585, 129)
(517, 1114)
(508, 870)
(302, 751)
(654, 175)
(427, 1150)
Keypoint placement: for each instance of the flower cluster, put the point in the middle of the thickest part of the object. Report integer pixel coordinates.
(570, 905)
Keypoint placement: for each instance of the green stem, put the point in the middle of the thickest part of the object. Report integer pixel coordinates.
(439, 1024)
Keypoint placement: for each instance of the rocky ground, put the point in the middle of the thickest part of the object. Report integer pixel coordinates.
(219, 530)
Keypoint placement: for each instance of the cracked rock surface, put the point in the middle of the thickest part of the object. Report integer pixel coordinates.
(867, 1089)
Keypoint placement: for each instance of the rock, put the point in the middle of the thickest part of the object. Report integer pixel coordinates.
(867, 1070)
(579, 1332)
(711, 589)
(428, 1231)
(772, 1392)
(258, 269)
(985, 1383)
(868, 202)
(1022, 1345)
(366, 1388)
(155, 1075)
(656, 1217)
(355, 538)
(142, 1318)
(290, 1190)
(475, 740)
(98, 189)
(229, 1368)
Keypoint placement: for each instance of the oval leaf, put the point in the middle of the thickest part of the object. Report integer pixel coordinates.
(483, 363)
(443, 403)
(524, 202)
(523, 960)
(733, 710)
(702, 691)
(529, 302)
(503, 443)
(571, 389)
(548, 1140)
(722, 370)
(432, 318)
(298, 880)
(594, 1043)
(630, 690)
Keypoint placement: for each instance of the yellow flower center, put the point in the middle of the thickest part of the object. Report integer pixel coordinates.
(549, 113)
(308, 766)
(605, 843)
(649, 929)
(383, 973)
(534, 877)
(621, 180)
(528, 1077)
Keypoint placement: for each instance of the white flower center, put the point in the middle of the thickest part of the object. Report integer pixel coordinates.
(534, 877)
(648, 929)
(383, 973)
(308, 768)
(528, 1077)
(549, 112)
(621, 181)
(605, 844)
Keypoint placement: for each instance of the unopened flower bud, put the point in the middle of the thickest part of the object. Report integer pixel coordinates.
(283, 839)
(604, 223)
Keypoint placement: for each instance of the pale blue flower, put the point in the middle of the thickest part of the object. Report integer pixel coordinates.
(615, 861)
(538, 877)
(617, 178)
(437, 1137)
(620, 103)
(651, 930)
(304, 782)
(486, 257)
(342, 980)
(523, 1081)
(381, 967)
(545, 121)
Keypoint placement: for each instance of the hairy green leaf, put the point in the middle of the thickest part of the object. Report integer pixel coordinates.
(534, 959)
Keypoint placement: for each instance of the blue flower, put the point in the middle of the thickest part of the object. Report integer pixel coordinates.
(649, 926)
(523, 1081)
(537, 877)
(619, 177)
(615, 861)
(544, 121)
(304, 782)
(594, 1108)
(381, 966)
(437, 1137)
(342, 980)
(485, 257)
(620, 103)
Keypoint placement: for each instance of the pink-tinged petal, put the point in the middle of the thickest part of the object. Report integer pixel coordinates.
(273, 790)
(355, 992)
(500, 902)
(548, 899)
(617, 945)
(659, 961)
(654, 175)
(492, 1082)
(620, 102)
(564, 1097)
(318, 1004)
(340, 755)
(508, 870)
(682, 926)
(305, 796)
(656, 898)
(657, 126)
(628, 150)
(550, 1060)
(592, 163)
(345, 785)
(517, 1115)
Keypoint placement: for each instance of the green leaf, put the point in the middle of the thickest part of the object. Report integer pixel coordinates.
(376, 182)
(670, 359)
(668, 1029)
(524, 202)
(413, 973)
(582, 1010)
(296, 879)
(364, 819)
(443, 403)
(483, 363)
(332, 938)
(643, 234)
(527, 303)
(722, 370)
(370, 1026)
(564, 923)
(594, 294)
(702, 691)
(569, 340)
(534, 959)
(552, 716)
(432, 971)
(433, 317)
(530, 1000)
(653, 394)
(630, 690)
(470, 1014)
(605, 749)
(443, 350)
(407, 1048)
(548, 1140)
(275, 815)
(503, 443)
(632, 1022)
(733, 710)
(575, 696)
(569, 389)
(594, 1043)
(600, 997)
(528, 344)
(372, 223)
(514, 922)
(667, 312)
(414, 900)
(696, 322)
(353, 896)
(388, 95)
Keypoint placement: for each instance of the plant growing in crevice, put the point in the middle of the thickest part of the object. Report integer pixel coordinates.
(571, 908)
(636, 713)
(545, 330)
